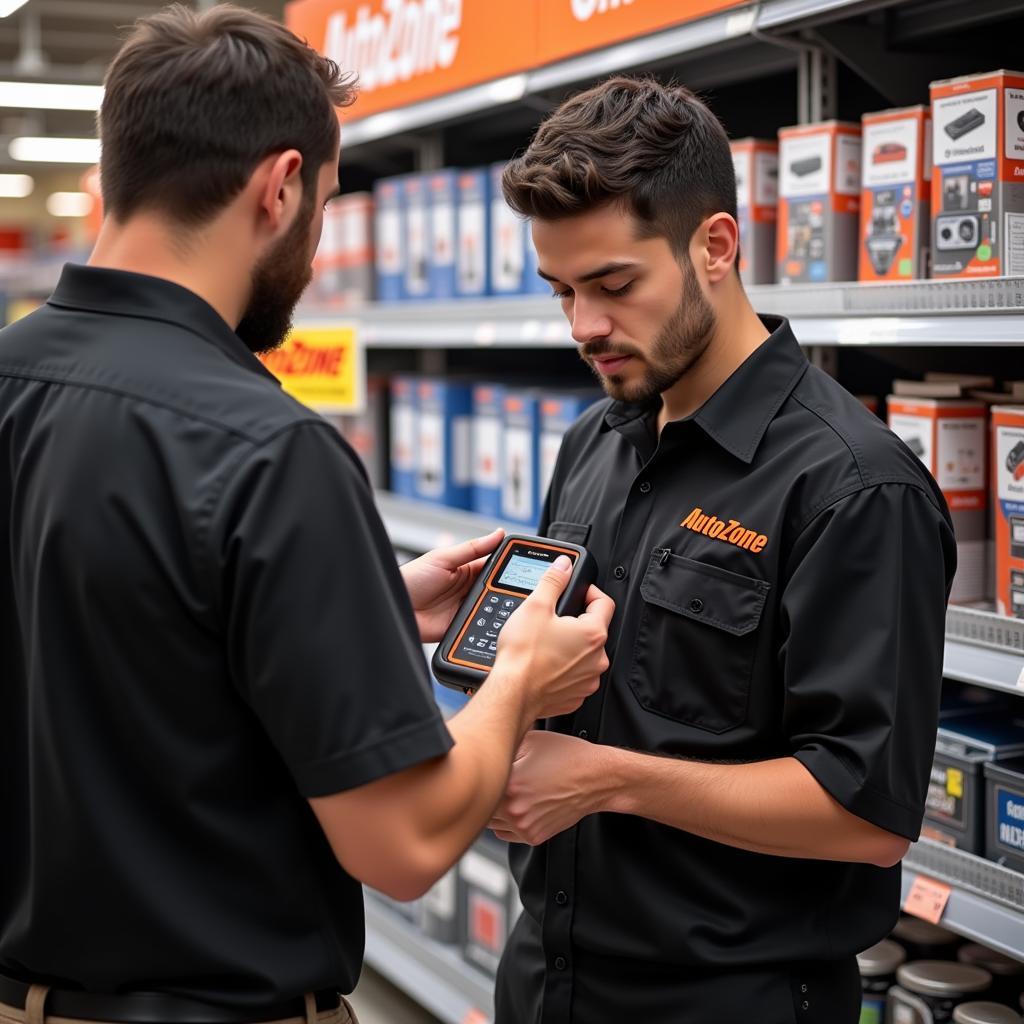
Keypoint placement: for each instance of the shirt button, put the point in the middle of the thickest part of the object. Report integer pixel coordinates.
(561, 963)
(645, 487)
(583, 734)
(696, 606)
(619, 572)
(561, 898)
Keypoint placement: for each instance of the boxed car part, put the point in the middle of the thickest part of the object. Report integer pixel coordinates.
(389, 245)
(367, 431)
(488, 448)
(1008, 505)
(557, 414)
(403, 426)
(877, 967)
(533, 283)
(508, 243)
(955, 804)
(1004, 831)
(357, 266)
(1007, 973)
(925, 941)
(520, 474)
(473, 213)
(444, 442)
(950, 438)
(985, 1013)
(756, 163)
(819, 200)
(438, 911)
(442, 190)
(895, 201)
(327, 286)
(416, 231)
(488, 899)
(928, 991)
(978, 177)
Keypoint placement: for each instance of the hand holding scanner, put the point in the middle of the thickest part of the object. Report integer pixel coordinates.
(466, 655)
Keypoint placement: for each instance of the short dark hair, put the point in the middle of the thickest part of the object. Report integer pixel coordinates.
(656, 149)
(194, 102)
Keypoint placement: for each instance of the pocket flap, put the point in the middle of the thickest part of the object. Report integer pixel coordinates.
(704, 593)
(574, 533)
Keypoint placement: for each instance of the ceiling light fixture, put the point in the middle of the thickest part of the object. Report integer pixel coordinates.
(50, 96)
(69, 204)
(42, 150)
(16, 186)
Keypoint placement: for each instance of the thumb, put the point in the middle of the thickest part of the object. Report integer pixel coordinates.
(552, 583)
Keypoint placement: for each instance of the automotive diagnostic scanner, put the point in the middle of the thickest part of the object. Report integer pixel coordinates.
(466, 654)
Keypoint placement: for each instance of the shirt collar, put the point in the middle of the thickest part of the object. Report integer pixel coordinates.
(737, 415)
(124, 293)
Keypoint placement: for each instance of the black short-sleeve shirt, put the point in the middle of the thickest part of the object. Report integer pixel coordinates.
(202, 623)
(781, 564)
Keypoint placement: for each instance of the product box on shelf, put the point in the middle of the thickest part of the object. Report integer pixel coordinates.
(489, 902)
(442, 192)
(819, 199)
(438, 911)
(557, 414)
(488, 448)
(357, 264)
(533, 283)
(367, 431)
(950, 438)
(978, 178)
(508, 241)
(473, 214)
(895, 201)
(444, 442)
(327, 285)
(1004, 828)
(520, 478)
(403, 423)
(756, 163)
(1008, 505)
(416, 229)
(388, 236)
(955, 805)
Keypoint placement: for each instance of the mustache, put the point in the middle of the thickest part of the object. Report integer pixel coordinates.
(602, 349)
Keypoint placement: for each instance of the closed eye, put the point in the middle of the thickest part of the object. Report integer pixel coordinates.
(617, 293)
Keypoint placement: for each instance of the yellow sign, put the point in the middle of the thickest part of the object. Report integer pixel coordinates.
(323, 367)
(17, 308)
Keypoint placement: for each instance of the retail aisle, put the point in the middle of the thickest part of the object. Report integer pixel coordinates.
(377, 1001)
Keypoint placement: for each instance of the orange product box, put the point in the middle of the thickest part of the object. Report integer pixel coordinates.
(1008, 502)
(819, 201)
(357, 257)
(895, 199)
(978, 177)
(756, 162)
(950, 437)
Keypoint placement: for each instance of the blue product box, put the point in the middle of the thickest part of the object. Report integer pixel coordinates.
(533, 283)
(557, 414)
(488, 442)
(416, 236)
(390, 250)
(508, 244)
(402, 421)
(472, 219)
(442, 191)
(444, 443)
(520, 490)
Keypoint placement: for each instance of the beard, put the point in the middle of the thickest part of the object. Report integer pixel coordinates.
(679, 344)
(278, 281)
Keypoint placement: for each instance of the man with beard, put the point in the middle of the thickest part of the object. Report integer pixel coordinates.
(215, 715)
(714, 835)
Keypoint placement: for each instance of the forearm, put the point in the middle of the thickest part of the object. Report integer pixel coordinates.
(773, 807)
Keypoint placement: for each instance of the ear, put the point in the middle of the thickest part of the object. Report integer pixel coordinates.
(720, 238)
(280, 190)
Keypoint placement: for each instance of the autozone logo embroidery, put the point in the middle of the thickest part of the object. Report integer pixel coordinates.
(729, 531)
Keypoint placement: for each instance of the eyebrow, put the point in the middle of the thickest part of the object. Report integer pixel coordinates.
(608, 268)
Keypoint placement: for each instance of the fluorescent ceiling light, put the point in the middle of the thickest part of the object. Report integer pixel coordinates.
(69, 204)
(16, 186)
(50, 96)
(42, 150)
(10, 6)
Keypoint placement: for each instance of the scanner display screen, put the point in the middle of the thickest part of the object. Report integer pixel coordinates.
(523, 573)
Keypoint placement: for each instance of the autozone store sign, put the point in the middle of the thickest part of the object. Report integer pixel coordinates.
(410, 50)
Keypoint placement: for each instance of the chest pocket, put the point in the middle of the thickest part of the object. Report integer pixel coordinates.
(696, 642)
(574, 533)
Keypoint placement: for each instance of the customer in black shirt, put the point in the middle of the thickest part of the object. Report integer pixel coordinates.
(714, 835)
(215, 715)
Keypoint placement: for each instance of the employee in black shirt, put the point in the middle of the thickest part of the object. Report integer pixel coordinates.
(215, 715)
(716, 833)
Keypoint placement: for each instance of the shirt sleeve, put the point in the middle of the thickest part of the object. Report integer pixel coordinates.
(863, 615)
(322, 640)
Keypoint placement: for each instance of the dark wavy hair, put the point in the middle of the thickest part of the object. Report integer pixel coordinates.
(656, 149)
(194, 102)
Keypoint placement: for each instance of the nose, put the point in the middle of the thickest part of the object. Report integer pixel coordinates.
(588, 321)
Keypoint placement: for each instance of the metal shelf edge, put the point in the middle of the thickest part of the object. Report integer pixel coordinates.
(996, 670)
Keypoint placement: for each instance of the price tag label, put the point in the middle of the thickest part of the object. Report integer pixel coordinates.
(927, 899)
(476, 1017)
